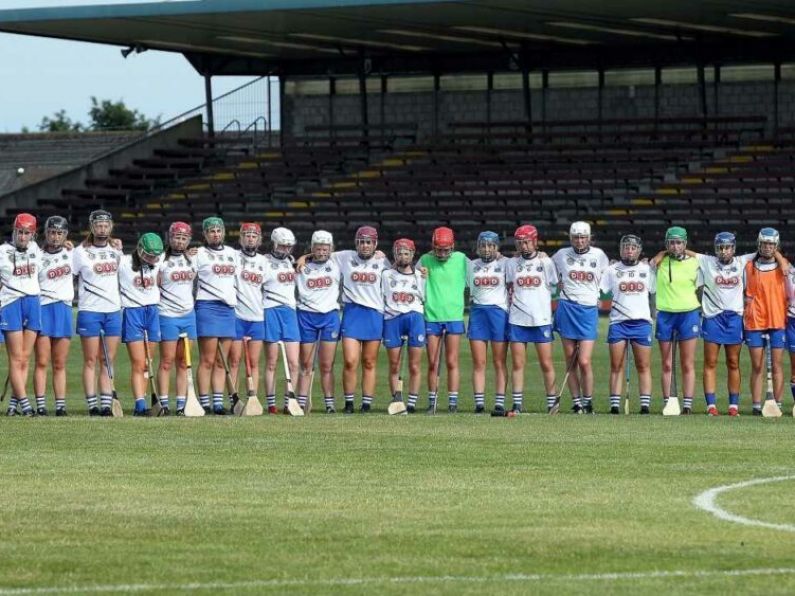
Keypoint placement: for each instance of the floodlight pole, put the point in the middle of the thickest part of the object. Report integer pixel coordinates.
(600, 97)
(365, 118)
(776, 82)
(489, 89)
(716, 89)
(702, 92)
(208, 99)
(657, 84)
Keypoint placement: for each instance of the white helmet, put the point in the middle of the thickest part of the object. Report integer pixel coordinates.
(282, 237)
(580, 228)
(321, 237)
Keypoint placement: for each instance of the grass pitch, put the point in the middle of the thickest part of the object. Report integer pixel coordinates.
(377, 504)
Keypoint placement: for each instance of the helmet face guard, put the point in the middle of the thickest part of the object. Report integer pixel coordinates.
(100, 222)
(526, 241)
(24, 230)
(443, 242)
(488, 246)
(725, 247)
(214, 231)
(179, 236)
(250, 237)
(366, 241)
(321, 246)
(403, 251)
(149, 248)
(630, 248)
(580, 236)
(767, 242)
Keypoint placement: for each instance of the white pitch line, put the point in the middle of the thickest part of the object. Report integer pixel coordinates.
(341, 582)
(706, 501)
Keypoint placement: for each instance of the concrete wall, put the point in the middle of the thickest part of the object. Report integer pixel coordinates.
(28, 196)
(559, 104)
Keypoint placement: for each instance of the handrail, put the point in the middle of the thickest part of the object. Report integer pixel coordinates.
(230, 123)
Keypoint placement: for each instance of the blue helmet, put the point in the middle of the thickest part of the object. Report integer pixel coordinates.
(768, 235)
(724, 238)
(489, 238)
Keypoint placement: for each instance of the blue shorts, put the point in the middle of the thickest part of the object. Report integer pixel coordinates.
(23, 313)
(138, 319)
(410, 325)
(755, 339)
(311, 324)
(724, 329)
(89, 323)
(687, 325)
(362, 322)
(540, 334)
(488, 323)
(637, 331)
(215, 319)
(171, 327)
(449, 327)
(56, 320)
(791, 334)
(281, 324)
(251, 329)
(577, 322)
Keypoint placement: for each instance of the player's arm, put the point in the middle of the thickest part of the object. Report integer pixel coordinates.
(655, 261)
(782, 261)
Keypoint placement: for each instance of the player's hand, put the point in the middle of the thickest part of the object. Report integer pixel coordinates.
(116, 243)
(68, 244)
(379, 254)
(543, 255)
(192, 251)
(300, 263)
(424, 272)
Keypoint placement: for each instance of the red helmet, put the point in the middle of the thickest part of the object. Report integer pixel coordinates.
(179, 227)
(403, 244)
(443, 238)
(25, 221)
(366, 233)
(250, 227)
(526, 232)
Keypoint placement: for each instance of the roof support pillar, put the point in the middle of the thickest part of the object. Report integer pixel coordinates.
(332, 91)
(657, 84)
(365, 119)
(208, 100)
(282, 83)
(776, 83)
(528, 106)
(702, 93)
(436, 87)
(716, 89)
(600, 97)
(489, 89)
(382, 106)
(544, 91)
(269, 128)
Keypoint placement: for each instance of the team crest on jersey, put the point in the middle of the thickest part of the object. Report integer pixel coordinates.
(619, 273)
(393, 283)
(593, 264)
(643, 274)
(375, 265)
(477, 268)
(413, 286)
(570, 261)
(539, 268)
(328, 269)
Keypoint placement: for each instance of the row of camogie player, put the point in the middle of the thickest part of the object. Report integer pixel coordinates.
(222, 296)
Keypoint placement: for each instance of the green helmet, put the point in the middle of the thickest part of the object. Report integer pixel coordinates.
(150, 245)
(676, 233)
(212, 222)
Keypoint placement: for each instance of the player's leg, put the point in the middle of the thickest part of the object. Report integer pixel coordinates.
(135, 349)
(585, 367)
(757, 377)
(351, 355)
(43, 357)
(218, 378)
(19, 345)
(499, 353)
(569, 345)
(432, 349)
(208, 354)
(112, 327)
(687, 360)
(325, 364)
(168, 357)
(642, 357)
(235, 356)
(733, 376)
(778, 374)
(666, 366)
(618, 351)
(518, 358)
(91, 363)
(547, 366)
(711, 351)
(369, 361)
(479, 350)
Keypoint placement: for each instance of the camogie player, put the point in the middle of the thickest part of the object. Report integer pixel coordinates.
(580, 268)
(404, 291)
(216, 299)
(20, 315)
(140, 296)
(488, 320)
(249, 311)
(57, 294)
(765, 315)
(722, 322)
(632, 284)
(678, 312)
(96, 266)
(531, 278)
(176, 278)
(281, 321)
(444, 311)
(318, 316)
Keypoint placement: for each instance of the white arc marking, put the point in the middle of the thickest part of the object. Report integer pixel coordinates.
(706, 502)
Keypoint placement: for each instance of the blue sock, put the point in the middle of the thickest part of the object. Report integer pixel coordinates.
(734, 399)
(710, 397)
(140, 404)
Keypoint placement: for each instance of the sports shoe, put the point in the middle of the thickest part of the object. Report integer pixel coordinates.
(41, 411)
(712, 411)
(431, 408)
(686, 411)
(207, 409)
(141, 413)
(757, 411)
(644, 410)
(94, 411)
(411, 409)
(364, 409)
(588, 408)
(498, 411)
(348, 407)
(480, 409)
(165, 412)
(734, 412)
(516, 409)
(452, 409)
(60, 412)
(273, 410)
(615, 410)
(29, 413)
(11, 412)
(106, 412)
(331, 410)
(576, 409)
(219, 411)
(286, 410)
(180, 412)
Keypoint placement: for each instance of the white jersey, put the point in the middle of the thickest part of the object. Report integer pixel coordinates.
(279, 288)
(403, 292)
(486, 282)
(177, 281)
(250, 278)
(723, 285)
(789, 284)
(55, 277)
(319, 286)
(532, 282)
(138, 288)
(19, 272)
(580, 274)
(97, 271)
(361, 279)
(216, 270)
(630, 286)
